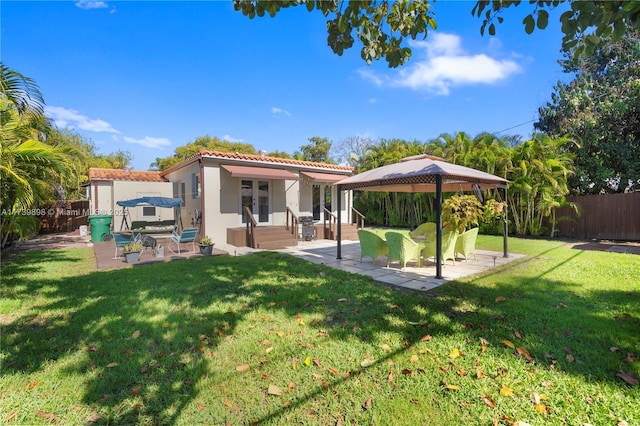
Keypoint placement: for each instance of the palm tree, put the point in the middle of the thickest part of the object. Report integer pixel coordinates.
(28, 167)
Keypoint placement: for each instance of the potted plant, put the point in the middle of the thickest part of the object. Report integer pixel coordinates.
(461, 212)
(132, 252)
(206, 246)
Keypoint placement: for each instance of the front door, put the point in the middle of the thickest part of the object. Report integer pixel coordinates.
(321, 199)
(256, 195)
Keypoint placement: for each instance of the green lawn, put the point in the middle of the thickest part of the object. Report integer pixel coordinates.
(551, 339)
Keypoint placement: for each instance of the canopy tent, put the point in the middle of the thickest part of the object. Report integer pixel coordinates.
(164, 202)
(422, 173)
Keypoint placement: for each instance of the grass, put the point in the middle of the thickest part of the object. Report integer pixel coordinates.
(271, 339)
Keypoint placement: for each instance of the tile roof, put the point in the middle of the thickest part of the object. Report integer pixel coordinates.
(205, 153)
(129, 175)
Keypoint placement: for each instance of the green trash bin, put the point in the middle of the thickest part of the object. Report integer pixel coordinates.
(100, 226)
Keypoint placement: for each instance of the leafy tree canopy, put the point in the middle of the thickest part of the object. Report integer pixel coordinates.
(183, 152)
(600, 108)
(317, 151)
(383, 27)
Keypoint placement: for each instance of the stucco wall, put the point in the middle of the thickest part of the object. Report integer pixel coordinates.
(220, 198)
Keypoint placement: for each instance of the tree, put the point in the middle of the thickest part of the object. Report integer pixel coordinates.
(353, 150)
(316, 151)
(28, 167)
(183, 152)
(383, 27)
(600, 108)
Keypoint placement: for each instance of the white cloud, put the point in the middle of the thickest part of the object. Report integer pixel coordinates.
(447, 65)
(149, 142)
(72, 119)
(88, 4)
(230, 138)
(276, 111)
(371, 76)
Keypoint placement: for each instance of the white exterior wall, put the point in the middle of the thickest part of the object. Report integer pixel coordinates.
(220, 198)
(191, 202)
(128, 190)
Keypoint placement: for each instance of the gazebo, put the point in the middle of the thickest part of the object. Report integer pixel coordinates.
(423, 173)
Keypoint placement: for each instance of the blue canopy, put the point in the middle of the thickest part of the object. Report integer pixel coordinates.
(151, 201)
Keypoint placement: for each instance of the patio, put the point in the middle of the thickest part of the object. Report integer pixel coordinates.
(414, 278)
(324, 252)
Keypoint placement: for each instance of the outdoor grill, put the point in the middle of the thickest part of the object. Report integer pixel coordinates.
(308, 230)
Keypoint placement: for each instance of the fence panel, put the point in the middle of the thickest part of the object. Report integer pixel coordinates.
(602, 217)
(64, 216)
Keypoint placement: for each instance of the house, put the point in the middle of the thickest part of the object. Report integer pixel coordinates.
(227, 194)
(108, 186)
(237, 199)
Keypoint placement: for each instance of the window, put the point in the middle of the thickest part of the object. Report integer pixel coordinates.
(195, 185)
(148, 211)
(183, 192)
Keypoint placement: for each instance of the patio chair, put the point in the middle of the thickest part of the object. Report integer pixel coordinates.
(466, 243)
(371, 245)
(402, 249)
(188, 236)
(449, 238)
(427, 229)
(122, 240)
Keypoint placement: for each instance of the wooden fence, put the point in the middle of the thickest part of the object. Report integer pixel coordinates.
(64, 216)
(601, 217)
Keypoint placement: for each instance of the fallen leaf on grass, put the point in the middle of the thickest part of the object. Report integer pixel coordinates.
(630, 358)
(414, 401)
(386, 347)
(274, 390)
(367, 404)
(241, 368)
(111, 364)
(333, 371)
(414, 358)
(500, 299)
(509, 343)
(522, 351)
(506, 391)
(570, 358)
(628, 378)
(367, 362)
(390, 376)
(487, 400)
(541, 408)
(200, 406)
(135, 334)
(426, 338)
(517, 334)
(407, 372)
(614, 349)
(49, 416)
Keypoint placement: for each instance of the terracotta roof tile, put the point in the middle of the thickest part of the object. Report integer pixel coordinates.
(204, 153)
(267, 159)
(120, 174)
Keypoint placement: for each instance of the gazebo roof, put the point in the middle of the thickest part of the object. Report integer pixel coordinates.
(418, 174)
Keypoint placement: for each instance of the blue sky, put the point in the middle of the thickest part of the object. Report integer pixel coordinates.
(147, 77)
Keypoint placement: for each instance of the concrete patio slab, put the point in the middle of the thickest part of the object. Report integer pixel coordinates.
(412, 277)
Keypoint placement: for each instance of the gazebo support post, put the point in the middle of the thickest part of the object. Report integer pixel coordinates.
(413, 211)
(505, 228)
(439, 226)
(339, 236)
